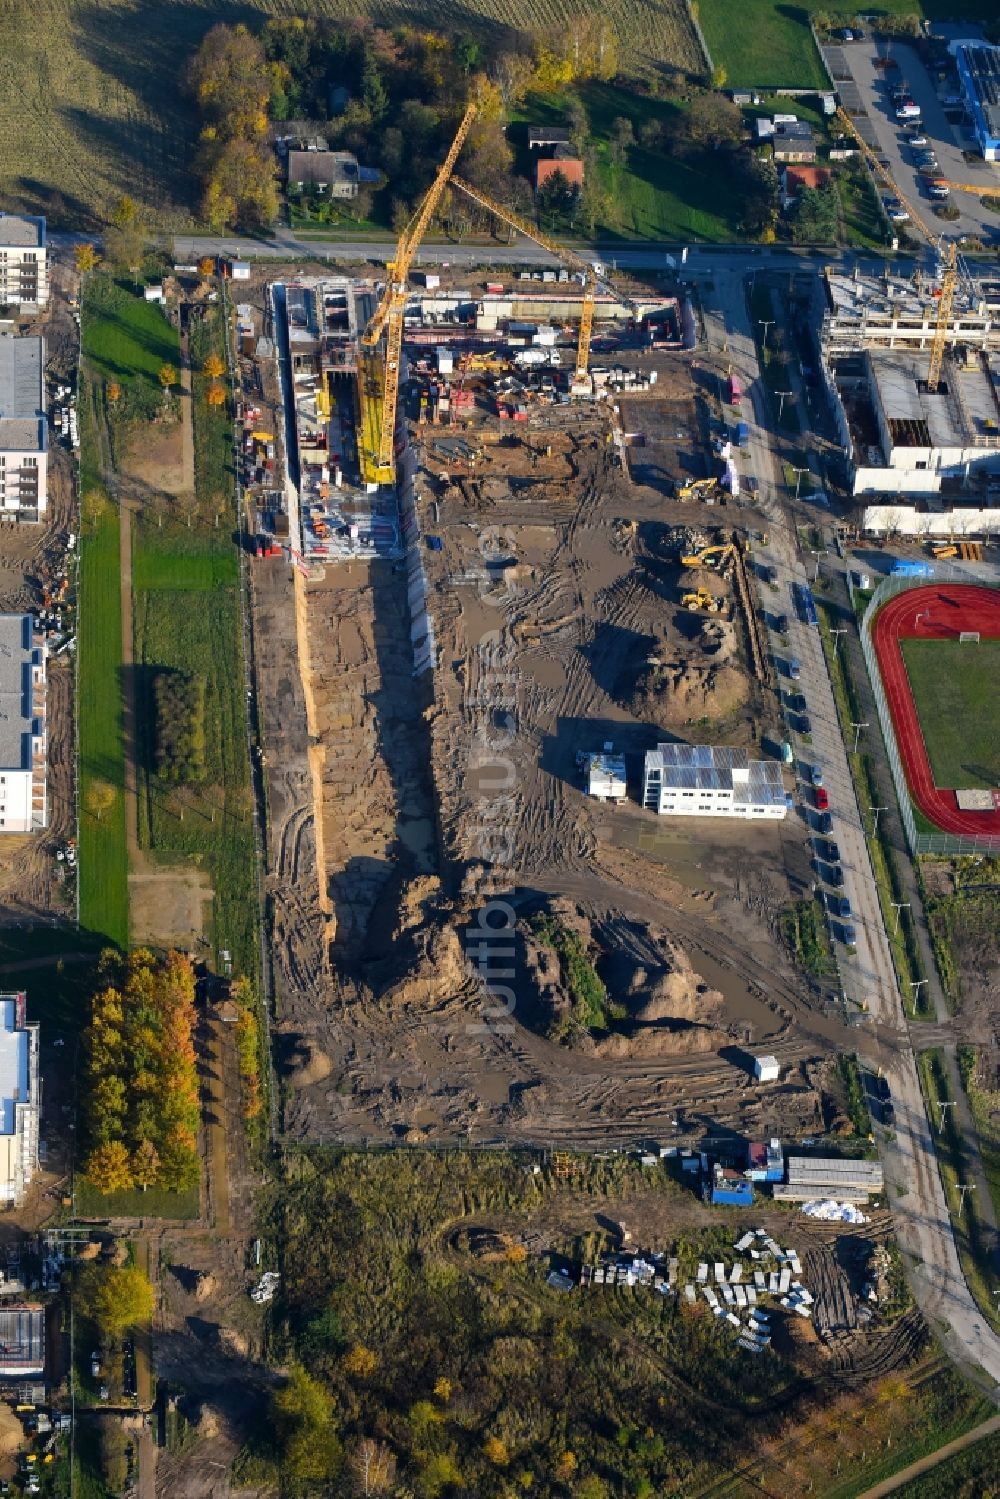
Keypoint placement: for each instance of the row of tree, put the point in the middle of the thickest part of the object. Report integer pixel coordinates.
(140, 1087)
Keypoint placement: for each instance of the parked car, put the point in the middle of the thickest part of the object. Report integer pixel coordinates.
(844, 908)
(939, 190)
(794, 668)
(781, 624)
(836, 875)
(822, 798)
(848, 935)
(917, 138)
(805, 724)
(825, 822)
(797, 702)
(816, 775)
(831, 851)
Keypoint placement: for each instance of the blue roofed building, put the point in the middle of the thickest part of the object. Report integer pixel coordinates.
(979, 70)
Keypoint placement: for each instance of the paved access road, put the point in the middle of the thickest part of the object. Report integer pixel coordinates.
(913, 1184)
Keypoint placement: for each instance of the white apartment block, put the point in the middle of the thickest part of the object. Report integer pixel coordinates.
(704, 780)
(24, 277)
(19, 1099)
(23, 798)
(23, 429)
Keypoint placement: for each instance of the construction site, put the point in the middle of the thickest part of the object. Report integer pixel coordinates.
(447, 654)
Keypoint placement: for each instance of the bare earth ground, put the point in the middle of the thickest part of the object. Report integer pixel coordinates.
(554, 601)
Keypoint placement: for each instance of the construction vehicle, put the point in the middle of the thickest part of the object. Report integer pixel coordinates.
(487, 364)
(717, 557)
(703, 600)
(948, 253)
(693, 487)
(378, 375)
(591, 273)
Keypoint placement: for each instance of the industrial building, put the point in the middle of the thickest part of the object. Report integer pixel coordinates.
(729, 1188)
(22, 1341)
(765, 1161)
(907, 440)
(23, 792)
(604, 775)
(895, 311)
(703, 780)
(836, 1177)
(19, 1099)
(933, 518)
(23, 429)
(979, 70)
(24, 281)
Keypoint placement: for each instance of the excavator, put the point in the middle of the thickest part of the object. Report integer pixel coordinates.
(694, 487)
(718, 557)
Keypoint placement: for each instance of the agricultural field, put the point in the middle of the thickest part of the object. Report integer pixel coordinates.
(953, 690)
(90, 106)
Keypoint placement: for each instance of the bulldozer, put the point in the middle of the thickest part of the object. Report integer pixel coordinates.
(707, 488)
(703, 600)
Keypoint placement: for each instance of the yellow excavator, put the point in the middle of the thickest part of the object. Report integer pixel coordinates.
(718, 557)
(695, 487)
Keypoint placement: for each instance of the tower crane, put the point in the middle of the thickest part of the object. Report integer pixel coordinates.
(379, 379)
(593, 276)
(949, 255)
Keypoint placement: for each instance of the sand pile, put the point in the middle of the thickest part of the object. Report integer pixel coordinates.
(671, 1010)
(676, 693)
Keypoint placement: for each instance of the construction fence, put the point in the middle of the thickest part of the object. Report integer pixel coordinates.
(920, 842)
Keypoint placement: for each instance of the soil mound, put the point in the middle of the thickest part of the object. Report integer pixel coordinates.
(674, 694)
(306, 1063)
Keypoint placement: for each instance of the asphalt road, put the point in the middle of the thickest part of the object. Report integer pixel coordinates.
(913, 1184)
(874, 85)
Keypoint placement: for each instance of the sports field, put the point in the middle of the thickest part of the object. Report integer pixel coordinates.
(954, 689)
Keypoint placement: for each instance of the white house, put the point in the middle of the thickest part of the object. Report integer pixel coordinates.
(24, 281)
(23, 429)
(23, 800)
(704, 780)
(19, 1099)
(605, 776)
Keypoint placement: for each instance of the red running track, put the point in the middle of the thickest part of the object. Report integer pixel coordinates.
(934, 613)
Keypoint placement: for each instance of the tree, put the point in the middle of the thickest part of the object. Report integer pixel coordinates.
(125, 211)
(512, 72)
(302, 1416)
(360, 1362)
(713, 121)
(495, 1451)
(206, 267)
(213, 367)
(99, 798)
(115, 1299)
(719, 77)
(216, 395)
(230, 80)
(373, 1467)
(108, 1168)
(167, 375)
(85, 257)
(816, 215)
(146, 1165)
(622, 139)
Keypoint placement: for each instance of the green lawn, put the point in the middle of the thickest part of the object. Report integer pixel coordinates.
(126, 336)
(156, 1203)
(768, 44)
(954, 689)
(103, 854)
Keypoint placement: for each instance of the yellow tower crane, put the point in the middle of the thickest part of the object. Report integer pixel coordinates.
(378, 378)
(591, 271)
(949, 278)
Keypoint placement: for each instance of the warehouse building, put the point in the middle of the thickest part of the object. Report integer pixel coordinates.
(23, 429)
(19, 1099)
(24, 281)
(979, 70)
(846, 1180)
(703, 780)
(22, 1342)
(23, 792)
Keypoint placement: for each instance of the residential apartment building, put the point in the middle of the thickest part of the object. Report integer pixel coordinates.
(19, 1099)
(23, 429)
(23, 792)
(24, 280)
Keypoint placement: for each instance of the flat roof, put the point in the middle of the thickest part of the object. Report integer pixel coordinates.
(802, 1169)
(982, 65)
(22, 367)
(717, 767)
(16, 723)
(22, 231)
(13, 1063)
(918, 419)
(22, 1340)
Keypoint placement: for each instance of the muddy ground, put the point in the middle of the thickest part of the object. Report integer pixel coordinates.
(400, 806)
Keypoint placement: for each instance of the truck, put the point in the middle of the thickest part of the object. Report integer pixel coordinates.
(903, 568)
(742, 435)
(735, 390)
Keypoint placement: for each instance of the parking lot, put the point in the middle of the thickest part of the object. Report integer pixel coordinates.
(865, 86)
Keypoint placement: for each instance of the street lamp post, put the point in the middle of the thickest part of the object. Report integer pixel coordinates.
(857, 727)
(943, 1105)
(964, 1188)
(782, 398)
(798, 472)
(836, 632)
(916, 985)
(897, 906)
(876, 811)
(765, 323)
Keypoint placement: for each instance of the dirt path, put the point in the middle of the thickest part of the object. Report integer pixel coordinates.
(933, 1460)
(214, 1114)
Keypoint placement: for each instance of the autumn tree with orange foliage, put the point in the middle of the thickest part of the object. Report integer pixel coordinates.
(139, 1077)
